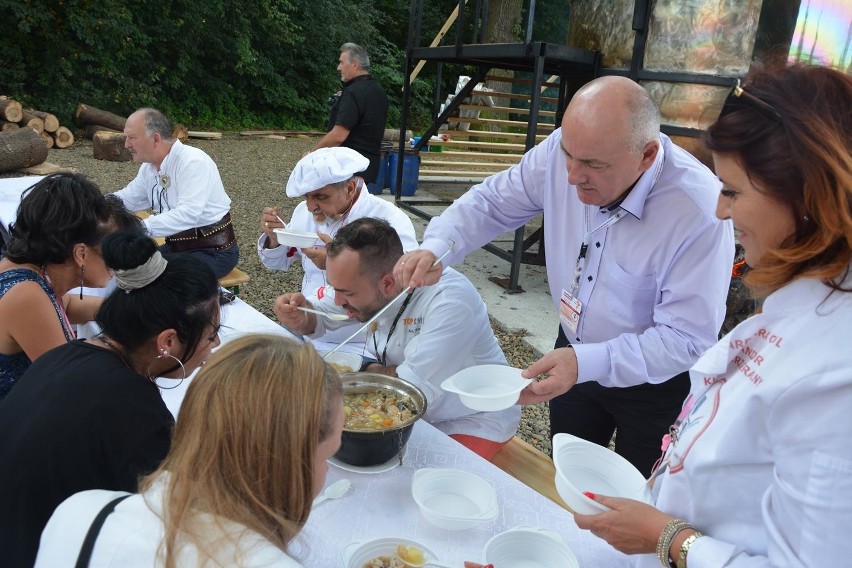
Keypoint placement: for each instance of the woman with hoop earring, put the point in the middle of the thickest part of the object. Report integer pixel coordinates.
(89, 414)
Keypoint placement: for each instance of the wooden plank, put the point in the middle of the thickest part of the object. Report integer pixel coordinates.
(499, 109)
(204, 135)
(281, 132)
(531, 467)
(45, 168)
(551, 82)
(466, 134)
(457, 173)
(516, 96)
(453, 163)
(438, 37)
(465, 155)
(500, 122)
(482, 145)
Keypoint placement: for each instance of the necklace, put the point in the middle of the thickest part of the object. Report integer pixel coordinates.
(66, 323)
(383, 356)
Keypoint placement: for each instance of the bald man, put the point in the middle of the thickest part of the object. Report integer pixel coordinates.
(637, 262)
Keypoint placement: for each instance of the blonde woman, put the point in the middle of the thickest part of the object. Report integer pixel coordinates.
(247, 458)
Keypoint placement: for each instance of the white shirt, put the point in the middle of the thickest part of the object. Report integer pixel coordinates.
(195, 196)
(131, 536)
(654, 284)
(281, 257)
(762, 463)
(443, 330)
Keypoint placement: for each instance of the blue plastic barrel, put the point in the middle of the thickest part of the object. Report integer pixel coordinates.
(410, 171)
(378, 186)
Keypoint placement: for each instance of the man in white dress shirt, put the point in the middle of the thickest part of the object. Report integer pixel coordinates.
(180, 185)
(424, 338)
(334, 196)
(637, 262)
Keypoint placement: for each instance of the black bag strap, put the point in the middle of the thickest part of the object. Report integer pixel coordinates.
(94, 530)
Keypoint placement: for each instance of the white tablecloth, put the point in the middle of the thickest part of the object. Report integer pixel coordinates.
(380, 505)
(10, 196)
(238, 319)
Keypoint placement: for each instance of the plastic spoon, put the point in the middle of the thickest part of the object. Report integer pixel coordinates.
(335, 317)
(334, 491)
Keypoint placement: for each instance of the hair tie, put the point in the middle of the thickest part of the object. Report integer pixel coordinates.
(142, 275)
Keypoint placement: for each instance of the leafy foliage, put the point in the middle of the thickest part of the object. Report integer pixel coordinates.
(218, 63)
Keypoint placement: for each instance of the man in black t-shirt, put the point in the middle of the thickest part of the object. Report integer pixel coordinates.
(358, 116)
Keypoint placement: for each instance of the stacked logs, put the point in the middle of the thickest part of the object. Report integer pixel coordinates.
(14, 117)
(105, 130)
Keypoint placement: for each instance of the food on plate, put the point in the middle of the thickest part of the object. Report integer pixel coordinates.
(376, 410)
(402, 555)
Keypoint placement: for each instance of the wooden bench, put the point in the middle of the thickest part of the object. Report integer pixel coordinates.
(531, 467)
(234, 279)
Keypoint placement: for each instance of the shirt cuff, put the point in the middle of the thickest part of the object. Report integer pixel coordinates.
(435, 245)
(277, 252)
(593, 362)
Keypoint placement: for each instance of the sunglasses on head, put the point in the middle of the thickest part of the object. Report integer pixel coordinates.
(739, 97)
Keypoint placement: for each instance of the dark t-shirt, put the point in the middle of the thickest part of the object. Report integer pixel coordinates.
(77, 419)
(363, 110)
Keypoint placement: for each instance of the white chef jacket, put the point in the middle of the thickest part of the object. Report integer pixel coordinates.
(443, 330)
(762, 463)
(280, 258)
(131, 536)
(195, 196)
(654, 284)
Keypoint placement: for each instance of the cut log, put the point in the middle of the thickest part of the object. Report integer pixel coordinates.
(63, 137)
(86, 114)
(45, 168)
(21, 148)
(110, 146)
(204, 135)
(7, 126)
(92, 129)
(11, 110)
(47, 139)
(179, 132)
(51, 123)
(32, 121)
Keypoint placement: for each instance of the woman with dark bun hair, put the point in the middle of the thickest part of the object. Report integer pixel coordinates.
(89, 414)
(54, 247)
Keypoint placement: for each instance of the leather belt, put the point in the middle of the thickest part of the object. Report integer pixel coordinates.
(219, 236)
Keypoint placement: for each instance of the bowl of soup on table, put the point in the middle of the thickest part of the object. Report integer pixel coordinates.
(343, 362)
(380, 412)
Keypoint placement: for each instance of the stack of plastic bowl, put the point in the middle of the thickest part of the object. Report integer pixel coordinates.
(453, 499)
(528, 547)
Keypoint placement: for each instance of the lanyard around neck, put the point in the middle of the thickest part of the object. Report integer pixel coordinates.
(383, 356)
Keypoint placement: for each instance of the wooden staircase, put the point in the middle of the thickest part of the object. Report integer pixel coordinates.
(494, 140)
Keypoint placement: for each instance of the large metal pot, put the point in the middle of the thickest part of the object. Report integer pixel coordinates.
(372, 447)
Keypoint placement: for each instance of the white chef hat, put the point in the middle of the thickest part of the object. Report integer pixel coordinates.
(323, 167)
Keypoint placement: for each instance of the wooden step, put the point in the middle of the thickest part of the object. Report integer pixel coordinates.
(463, 177)
(456, 173)
(483, 145)
(500, 122)
(466, 155)
(518, 81)
(499, 109)
(466, 134)
(516, 96)
(454, 164)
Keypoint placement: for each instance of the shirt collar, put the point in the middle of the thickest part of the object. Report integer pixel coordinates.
(634, 202)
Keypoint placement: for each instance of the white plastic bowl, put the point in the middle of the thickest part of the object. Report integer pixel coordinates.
(294, 238)
(487, 387)
(584, 466)
(358, 553)
(529, 547)
(453, 499)
(350, 362)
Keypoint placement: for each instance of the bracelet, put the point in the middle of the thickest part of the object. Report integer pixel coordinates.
(684, 548)
(664, 543)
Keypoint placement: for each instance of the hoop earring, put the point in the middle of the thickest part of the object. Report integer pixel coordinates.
(82, 272)
(153, 379)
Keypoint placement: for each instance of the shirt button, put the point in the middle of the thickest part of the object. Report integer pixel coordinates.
(590, 278)
(598, 245)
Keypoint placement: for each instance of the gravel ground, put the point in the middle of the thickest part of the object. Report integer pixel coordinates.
(254, 170)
